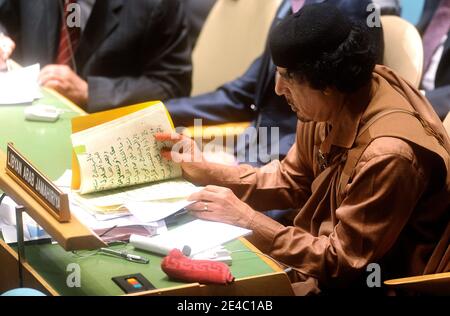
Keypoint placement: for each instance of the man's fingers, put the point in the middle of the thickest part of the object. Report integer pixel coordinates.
(183, 148)
(203, 195)
(45, 78)
(7, 47)
(215, 188)
(194, 207)
(166, 154)
(12, 46)
(197, 196)
(200, 207)
(197, 210)
(163, 137)
(5, 53)
(59, 72)
(48, 74)
(174, 156)
(209, 193)
(54, 84)
(50, 69)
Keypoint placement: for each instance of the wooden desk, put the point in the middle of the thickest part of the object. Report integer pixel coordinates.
(48, 147)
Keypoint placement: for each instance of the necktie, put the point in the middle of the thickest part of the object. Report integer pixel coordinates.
(297, 5)
(68, 39)
(438, 27)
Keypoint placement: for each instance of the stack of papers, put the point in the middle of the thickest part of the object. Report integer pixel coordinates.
(117, 229)
(149, 203)
(140, 210)
(20, 85)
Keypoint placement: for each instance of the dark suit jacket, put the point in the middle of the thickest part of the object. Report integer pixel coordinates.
(196, 12)
(251, 97)
(440, 96)
(130, 51)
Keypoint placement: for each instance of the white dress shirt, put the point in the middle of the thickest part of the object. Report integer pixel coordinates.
(86, 7)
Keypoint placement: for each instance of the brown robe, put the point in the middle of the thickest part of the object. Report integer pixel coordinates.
(372, 188)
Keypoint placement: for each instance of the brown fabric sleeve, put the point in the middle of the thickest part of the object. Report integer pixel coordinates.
(370, 219)
(278, 185)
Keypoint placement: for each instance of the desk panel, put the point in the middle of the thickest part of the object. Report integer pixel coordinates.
(46, 145)
(51, 262)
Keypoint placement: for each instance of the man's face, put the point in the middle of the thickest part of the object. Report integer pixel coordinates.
(309, 104)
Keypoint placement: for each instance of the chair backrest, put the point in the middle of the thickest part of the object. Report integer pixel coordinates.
(233, 35)
(403, 49)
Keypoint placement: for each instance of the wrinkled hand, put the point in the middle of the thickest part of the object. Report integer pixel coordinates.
(62, 79)
(7, 47)
(221, 205)
(182, 149)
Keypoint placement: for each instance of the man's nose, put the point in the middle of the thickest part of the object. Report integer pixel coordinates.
(279, 85)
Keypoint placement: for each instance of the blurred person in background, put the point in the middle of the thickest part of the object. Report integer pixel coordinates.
(251, 97)
(121, 53)
(434, 26)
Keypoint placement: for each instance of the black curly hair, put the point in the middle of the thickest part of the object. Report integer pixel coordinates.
(324, 47)
(347, 68)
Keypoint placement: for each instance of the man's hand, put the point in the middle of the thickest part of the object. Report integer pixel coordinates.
(7, 47)
(182, 149)
(62, 79)
(221, 205)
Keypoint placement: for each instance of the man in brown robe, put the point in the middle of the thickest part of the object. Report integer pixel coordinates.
(368, 174)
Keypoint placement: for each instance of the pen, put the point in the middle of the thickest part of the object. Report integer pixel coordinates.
(125, 255)
(107, 231)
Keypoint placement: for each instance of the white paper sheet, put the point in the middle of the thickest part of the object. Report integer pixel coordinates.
(92, 222)
(31, 230)
(198, 235)
(20, 85)
(64, 181)
(172, 189)
(156, 210)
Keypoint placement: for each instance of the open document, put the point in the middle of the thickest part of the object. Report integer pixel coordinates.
(20, 85)
(123, 152)
(110, 227)
(149, 203)
(117, 166)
